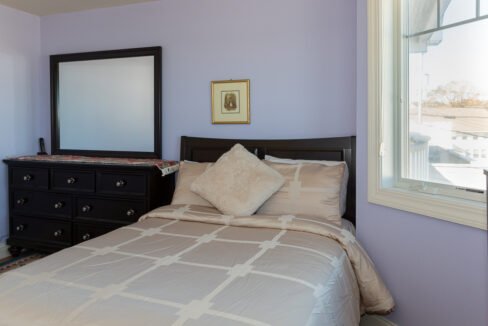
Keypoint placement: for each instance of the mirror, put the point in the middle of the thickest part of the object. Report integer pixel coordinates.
(107, 103)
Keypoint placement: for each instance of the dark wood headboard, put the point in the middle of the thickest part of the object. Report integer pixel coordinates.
(331, 149)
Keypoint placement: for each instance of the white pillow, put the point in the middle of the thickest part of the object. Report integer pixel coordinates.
(238, 183)
(188, 173)
(343, 194)
(310, 189)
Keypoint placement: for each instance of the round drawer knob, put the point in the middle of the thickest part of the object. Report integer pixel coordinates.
(86, 208)
(21, 201)
(131, 212)
(27, 177)
(70, 180)
(58, 233)
(86, 236)
(59, 205)
(20, 228)
(120, 183)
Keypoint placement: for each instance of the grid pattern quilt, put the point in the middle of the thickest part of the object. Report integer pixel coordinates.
(190, 265)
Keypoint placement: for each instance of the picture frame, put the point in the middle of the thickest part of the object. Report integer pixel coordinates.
(230, 101)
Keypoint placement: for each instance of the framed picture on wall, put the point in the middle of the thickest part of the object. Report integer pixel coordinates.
(230, 102)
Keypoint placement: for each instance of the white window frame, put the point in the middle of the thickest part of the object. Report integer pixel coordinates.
(385, 89)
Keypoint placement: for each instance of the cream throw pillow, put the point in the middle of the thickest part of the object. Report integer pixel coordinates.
(238, 183)
(187, 173)
(310, 189)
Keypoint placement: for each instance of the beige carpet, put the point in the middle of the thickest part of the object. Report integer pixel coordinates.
(375, 321)
(10, 263)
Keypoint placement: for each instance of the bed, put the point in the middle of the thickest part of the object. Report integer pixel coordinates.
(192, 265)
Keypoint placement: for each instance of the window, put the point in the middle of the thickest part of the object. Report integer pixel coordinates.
(447, 92)
(428, 107)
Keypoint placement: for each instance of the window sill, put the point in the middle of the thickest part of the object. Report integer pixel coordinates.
(465, 212)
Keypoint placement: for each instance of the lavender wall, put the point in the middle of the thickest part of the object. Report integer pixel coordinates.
(302, 70)
(19, 92)
(437, 271)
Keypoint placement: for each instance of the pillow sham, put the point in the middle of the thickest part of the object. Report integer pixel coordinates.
(238, 183)
(310, 189)
(345, 179)
(187, 173)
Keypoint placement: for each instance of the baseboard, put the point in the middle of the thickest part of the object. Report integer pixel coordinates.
(3, 250)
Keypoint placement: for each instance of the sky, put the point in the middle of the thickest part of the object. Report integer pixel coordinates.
(464, 49)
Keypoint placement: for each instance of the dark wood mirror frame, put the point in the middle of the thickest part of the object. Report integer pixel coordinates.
(112, 54)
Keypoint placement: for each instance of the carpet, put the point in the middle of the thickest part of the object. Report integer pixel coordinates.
(11, 263)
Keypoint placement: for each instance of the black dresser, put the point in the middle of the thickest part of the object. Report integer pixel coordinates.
(55, 205)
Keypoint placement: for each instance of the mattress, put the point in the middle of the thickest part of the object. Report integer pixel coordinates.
(190, 265)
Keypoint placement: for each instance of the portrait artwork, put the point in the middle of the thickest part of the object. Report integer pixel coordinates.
(230, 102)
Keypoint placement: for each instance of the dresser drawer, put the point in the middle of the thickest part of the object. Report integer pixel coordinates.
(124, 211)
(41, 203)
(98, 198)
(121, 184)
(41, 230)
(84, 232)
(30, 178)
(73, 180)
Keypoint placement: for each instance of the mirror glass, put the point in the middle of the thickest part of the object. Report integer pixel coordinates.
(106, 106)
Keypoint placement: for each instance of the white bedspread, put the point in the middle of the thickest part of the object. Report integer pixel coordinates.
(189, 265)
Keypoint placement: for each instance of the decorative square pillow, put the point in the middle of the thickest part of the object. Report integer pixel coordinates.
(345, 179)
(238, 183)
(187, 173)
(310, 189)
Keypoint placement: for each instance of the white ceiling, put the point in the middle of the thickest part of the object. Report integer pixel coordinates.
(49, 7)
